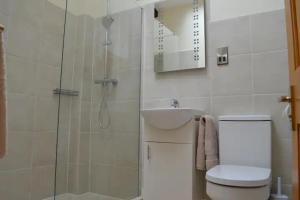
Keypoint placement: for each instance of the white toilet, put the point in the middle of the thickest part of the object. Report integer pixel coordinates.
(244, 172)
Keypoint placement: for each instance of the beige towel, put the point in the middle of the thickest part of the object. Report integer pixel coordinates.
(2, 99)
(207, 147)
(200, 159)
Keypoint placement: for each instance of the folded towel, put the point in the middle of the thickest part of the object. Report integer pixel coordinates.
(200, 160)
(3, 127)
(211, 143)
(207, 146)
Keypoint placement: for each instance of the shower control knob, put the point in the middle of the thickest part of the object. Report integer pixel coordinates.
(174, 103)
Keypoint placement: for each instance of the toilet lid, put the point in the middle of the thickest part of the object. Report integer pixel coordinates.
(239, 176)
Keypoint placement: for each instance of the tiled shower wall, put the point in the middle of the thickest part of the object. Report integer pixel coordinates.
(115, 151)
(33, 43)
(255, 78)
(102, 161)
(89, 159)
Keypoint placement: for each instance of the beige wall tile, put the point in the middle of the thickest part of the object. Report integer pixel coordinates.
(84, 148)
(74, 148)
(20, 75)
(19, 151)
(53, 19)
(268, 31)
(234, 33)
(123, 183)
(5, 7)
(202, 103)
(282, 160)
(128, 87)
(42, 182)
(78, 179)
(62, 178)
(233, 79)
(46, 79)
(15, 185)
(51, 49)
(103, 150)
(126, 150)
(270, 72)
(231, 105)
(44, 148)
(19, 108)
(269, 104)
(100, 179)
(46, 110)
(125, 115)
(85, 116)
(31, 37)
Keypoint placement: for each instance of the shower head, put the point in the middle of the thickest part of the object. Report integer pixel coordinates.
(107, 21)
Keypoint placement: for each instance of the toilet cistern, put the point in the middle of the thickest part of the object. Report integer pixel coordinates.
(244, 172)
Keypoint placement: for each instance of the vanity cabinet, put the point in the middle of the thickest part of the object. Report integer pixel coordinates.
(168, 171)
(169, 164)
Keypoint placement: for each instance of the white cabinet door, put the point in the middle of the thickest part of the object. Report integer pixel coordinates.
(168, 171)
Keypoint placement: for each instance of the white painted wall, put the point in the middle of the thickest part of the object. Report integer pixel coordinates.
(120, 5)
(76, 7)
(95, 8)
(218, 9)
(225, 9)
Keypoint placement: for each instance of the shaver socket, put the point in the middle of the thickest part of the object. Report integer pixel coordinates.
(222, 56)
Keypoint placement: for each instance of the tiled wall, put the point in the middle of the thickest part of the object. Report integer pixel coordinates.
(255, 78)
(102, 161)
(89, 159)
(33, 43)
(115, 151)
(71, 174)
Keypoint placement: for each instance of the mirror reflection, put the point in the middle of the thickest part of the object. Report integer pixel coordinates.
(179, 33)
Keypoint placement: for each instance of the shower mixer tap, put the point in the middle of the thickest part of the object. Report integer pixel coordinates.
(174, 103)
(104, 114)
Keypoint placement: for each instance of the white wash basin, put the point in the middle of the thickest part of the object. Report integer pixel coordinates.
(170, 118)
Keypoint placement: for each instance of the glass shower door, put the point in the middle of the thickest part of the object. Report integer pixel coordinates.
(33, 39)
(99, 122)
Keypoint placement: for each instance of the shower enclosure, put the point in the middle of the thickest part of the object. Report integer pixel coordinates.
(73, 88)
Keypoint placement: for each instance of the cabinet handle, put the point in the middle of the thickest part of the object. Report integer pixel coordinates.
(148, 152)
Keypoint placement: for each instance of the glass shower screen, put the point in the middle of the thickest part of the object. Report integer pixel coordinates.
(99, 122)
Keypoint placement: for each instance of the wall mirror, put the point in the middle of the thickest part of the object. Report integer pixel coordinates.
(179, 35)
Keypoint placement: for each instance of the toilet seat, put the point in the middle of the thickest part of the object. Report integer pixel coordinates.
(239, 176)
(221, 192)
